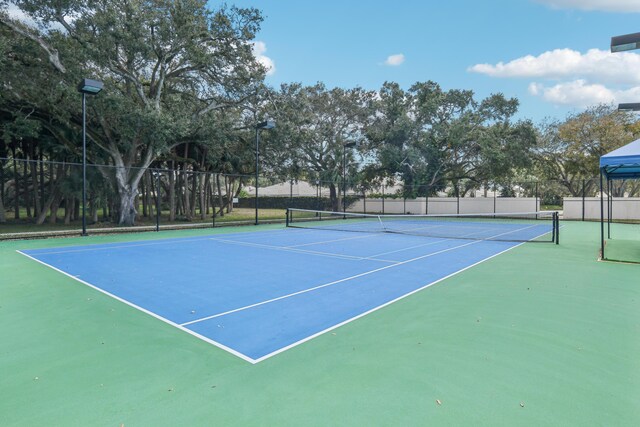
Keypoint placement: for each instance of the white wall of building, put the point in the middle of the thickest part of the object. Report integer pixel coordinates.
(447, 205)
(624, 208)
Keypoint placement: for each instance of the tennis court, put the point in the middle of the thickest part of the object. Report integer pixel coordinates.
(280, 288)
(540, 334)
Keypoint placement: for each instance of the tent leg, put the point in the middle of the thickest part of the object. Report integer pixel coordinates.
(609, 207)
(601, 218)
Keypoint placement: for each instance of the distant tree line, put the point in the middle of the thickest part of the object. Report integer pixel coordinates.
(183, 92)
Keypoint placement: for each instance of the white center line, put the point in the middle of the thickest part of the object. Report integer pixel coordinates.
(366, 273)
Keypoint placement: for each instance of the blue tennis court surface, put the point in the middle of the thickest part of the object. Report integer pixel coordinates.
(257, 294)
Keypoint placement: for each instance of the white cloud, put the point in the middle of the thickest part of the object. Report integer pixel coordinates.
(596, 64)
(602, 5)
(580, 93)
(577, 79)
(394, 60)
(259, 49)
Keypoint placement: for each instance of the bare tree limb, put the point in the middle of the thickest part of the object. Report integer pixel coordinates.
(54, 57)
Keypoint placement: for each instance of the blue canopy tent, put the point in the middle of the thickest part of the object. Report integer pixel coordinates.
(623, 163)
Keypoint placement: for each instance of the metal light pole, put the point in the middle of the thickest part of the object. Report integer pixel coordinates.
(344, 174)
(86, 87)
(269, 124)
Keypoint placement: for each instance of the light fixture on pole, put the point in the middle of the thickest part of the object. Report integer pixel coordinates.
(269, 124)
(86, 87)
(629, 106)
(625, 42)
(344, 173)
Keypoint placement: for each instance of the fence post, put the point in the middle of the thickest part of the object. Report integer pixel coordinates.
(364, 199)
(157, 174)
(495, 191)
(382, 199)
(536, 209)
(583, 198)
(426, 207)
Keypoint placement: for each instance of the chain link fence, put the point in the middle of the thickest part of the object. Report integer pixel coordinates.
(41, 198)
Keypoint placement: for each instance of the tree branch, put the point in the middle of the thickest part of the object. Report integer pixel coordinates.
(54, 57)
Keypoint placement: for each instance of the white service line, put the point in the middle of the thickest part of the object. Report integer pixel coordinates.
(330, 328)
(302, 251)
(335, 282)
(366, 273)
(366, 236)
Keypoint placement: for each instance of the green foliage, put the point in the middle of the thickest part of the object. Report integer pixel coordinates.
(426, 135)
(168, 68)
(569, 150)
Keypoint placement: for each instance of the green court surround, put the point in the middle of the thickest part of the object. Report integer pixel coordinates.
(541, 335)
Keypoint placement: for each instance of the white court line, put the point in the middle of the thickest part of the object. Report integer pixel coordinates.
(317, 334)
(121, 246)
(144, 310)
(366, 236)
(366, 273)
(163, 241)
(412, 247)
(335, 282)
(302, 251)
(245, 357)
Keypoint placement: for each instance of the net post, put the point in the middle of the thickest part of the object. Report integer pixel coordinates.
(286, 217)
(556, 216)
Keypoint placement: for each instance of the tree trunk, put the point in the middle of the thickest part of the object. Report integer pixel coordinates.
(185, 184)
(53, 202)
(127, 187)
(3, 219)
(194, 193)
(145, 195)
(333, 197)
(36, 197)
(16, 189)
(229, 189)
(127, 207)
(42, 193)
(25, 188)
(46, 206)
(204, 197)
(55, 206)
(68, 209)
(220, 199)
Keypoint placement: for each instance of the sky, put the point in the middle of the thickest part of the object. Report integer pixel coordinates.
(553, 55)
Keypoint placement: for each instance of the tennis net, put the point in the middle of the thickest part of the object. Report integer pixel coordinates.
(541, 226)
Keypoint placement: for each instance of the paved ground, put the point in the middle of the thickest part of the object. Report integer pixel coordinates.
(541, 335)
